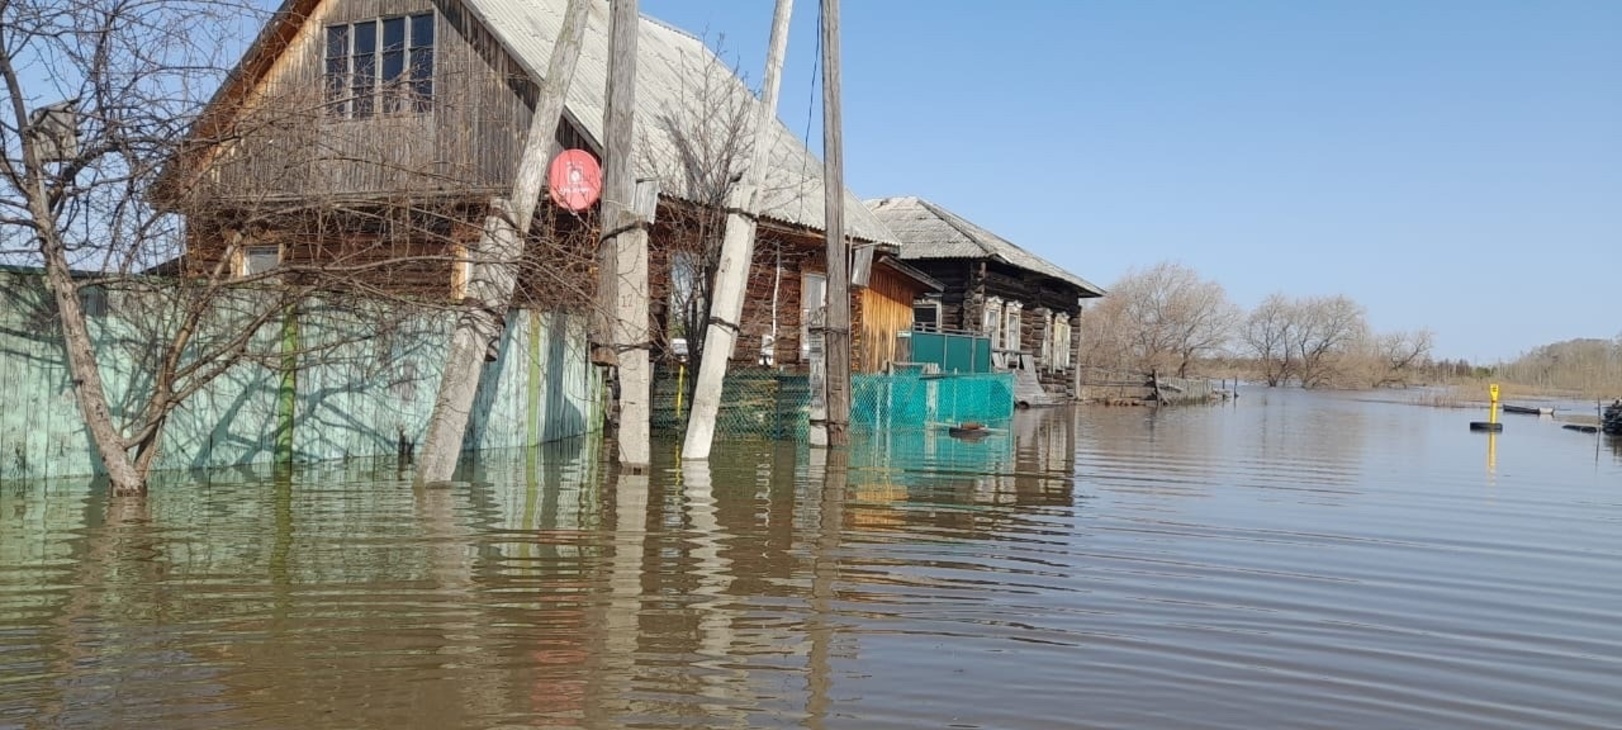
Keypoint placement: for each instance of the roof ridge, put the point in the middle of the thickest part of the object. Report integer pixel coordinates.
(962, 225)
(667, 25)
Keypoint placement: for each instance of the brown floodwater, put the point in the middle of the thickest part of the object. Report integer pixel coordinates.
(1294, 560)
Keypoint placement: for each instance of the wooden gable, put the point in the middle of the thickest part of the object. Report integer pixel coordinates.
(284, 138)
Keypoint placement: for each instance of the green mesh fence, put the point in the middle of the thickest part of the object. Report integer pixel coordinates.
(769, 405)
(755, 404)
(911, 400)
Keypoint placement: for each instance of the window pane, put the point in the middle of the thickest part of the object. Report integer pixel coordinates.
(422, 31)
(422, 78)
(365, 38)
(393, 65)
(337, 41)
(337, 85)
(365, 73)
(260, 259)
(393, 81)
(394, 34)
(422, 63)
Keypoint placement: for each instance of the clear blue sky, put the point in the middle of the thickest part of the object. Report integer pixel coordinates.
(1452, 165)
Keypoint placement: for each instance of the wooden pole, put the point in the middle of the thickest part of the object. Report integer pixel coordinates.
(625, 231)
(837, 327)
(737, 251)
(495, 264)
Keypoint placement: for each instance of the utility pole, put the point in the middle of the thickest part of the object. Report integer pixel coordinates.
(495, 261)
(836, 330)
(737, 253)
(625, 231)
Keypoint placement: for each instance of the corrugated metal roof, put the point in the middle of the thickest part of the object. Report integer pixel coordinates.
(673, 68)
(928, 231)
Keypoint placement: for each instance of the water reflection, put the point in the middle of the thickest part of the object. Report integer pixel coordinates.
(1278, 563)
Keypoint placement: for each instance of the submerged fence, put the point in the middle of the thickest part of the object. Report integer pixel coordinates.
(766, 404)
(346, 385)
(909, 400)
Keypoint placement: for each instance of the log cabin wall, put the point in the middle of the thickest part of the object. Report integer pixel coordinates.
(392, 250)
(970, 282)
(956, 276)
(777, 272)
(782, 256)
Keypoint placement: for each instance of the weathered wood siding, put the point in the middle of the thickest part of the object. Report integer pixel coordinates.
(399, 250)
(284, 143)
(883, 311)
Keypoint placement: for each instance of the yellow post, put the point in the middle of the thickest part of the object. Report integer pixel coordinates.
(681, 388)
(1492, 410)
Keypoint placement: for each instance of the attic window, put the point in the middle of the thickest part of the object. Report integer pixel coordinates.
(382, 66)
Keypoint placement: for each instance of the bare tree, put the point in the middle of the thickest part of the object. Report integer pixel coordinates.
(1325, 330)
(76, 188)
(93, 189)
(1400, 356)
(1165, 318)
(1267, 334)
(709, 133)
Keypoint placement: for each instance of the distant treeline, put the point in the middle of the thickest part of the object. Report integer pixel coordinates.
(1587, 367)
(1168, 319)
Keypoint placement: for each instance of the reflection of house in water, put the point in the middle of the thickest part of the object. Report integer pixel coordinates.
(545, 591)
(905, 477)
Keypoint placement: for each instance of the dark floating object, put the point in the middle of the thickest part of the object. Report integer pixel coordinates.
(1486, 426)
(1528, 410)
(968, 430)
(1611, 421)
(1581, 428)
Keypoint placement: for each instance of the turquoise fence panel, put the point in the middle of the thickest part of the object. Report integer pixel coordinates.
(359, 388)
(911, 400)
(953, 352)
(929, 347)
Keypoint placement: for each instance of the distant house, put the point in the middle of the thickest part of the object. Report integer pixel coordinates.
(375, 133)
(1025, 304)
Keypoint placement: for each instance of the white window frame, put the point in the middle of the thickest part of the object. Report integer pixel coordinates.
(1064, 338)
(807, 311)
(1013, 325)
(991, 320)
(245, 257)
(1049, 333)
(934, 304)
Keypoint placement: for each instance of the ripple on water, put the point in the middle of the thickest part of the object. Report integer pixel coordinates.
(1295, 560)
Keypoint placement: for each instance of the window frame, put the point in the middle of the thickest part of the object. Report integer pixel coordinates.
(1013, 325)
(927, 304)
(385, 79)
(245, 258)
(807, 312)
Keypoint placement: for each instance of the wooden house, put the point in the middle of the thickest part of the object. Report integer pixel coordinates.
(367, 137)
(1025, 304)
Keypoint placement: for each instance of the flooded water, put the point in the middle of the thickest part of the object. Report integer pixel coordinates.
(1295, 560)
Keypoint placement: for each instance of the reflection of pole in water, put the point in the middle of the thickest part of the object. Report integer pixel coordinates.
(1492, 459)
(620, 629)
(715, 638)
(832, 465)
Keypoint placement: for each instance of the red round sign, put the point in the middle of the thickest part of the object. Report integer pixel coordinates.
(575, 179)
